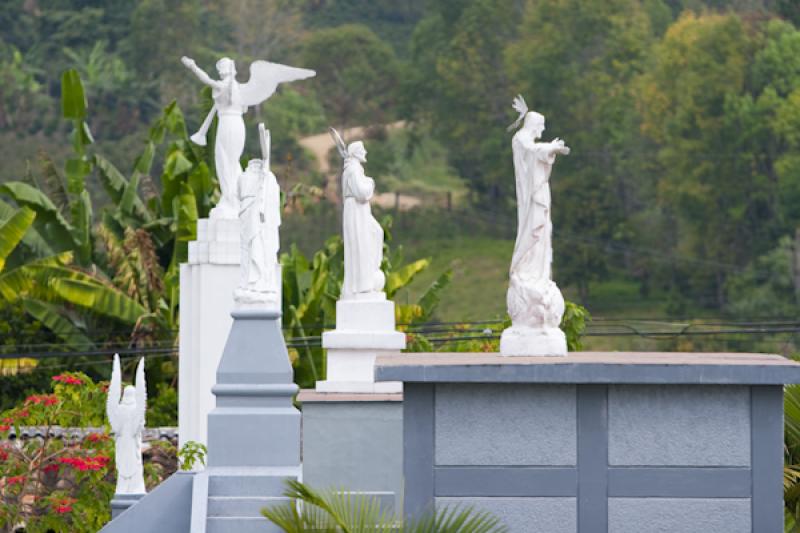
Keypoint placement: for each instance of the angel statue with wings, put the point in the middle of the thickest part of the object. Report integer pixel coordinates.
(260, 216)
(534, 301)
(126, 418)
(362, 234)
(231, 100)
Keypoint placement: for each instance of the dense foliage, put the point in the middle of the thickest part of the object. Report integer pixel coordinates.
(57, 482)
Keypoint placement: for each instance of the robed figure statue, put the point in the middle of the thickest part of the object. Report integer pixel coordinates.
(534, 301)
(231, 100)
(362, 234)
(260, 217)
(126, 418)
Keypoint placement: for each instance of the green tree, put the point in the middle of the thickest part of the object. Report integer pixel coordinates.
(575, 62)
(356, 74)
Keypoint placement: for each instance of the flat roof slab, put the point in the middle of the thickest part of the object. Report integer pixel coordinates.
(591, 367)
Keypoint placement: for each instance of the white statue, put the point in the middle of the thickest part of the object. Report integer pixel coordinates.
(231, 100)
(363, 235)
(126, 418)
(260, 215)
(534, 301)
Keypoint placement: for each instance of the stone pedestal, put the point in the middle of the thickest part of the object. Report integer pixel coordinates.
(254, 430)
(120, 502)
(364, 330)
(354, 442)
(207, 284)
(522, 341)
(597, 442)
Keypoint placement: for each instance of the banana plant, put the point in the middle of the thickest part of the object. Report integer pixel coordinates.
(166, 222)
(338, 511)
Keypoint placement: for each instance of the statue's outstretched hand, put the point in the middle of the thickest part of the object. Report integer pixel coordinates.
(188, 62)
(559, 146)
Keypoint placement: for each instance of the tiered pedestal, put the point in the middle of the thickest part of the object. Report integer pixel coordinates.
(597, 442)
(207, 284)
(365, 329)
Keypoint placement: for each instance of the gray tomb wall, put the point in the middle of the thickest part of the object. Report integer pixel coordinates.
(597, 442)
(354, 442)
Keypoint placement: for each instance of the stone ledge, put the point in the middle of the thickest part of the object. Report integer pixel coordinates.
(313, 396)
(591, 367)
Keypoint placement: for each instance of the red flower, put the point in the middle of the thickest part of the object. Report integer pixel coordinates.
(8, 420)
(83, 464)
(3, 454)
(96, 437)
(64, 505)
(4, 427)
(69, 380)
(36, 399)
(23, 413)
(13, 480)
(51, 468)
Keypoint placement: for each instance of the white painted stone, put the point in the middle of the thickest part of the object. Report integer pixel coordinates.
(534, 301)
(207, 282)
(126, 416)
(524, 341)
(365, 329)
(231, 100)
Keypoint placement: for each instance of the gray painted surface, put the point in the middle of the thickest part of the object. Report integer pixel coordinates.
(166, 508)
(767, 460)
(418, 448)
(666, 482)
(356, 446)
(694, 495)
(679, 425)
(121, 502)
(254, 430)
(663, 515)
(505, 481)
(592, 458)
(588, 367)
(529, 515)
(507, 424)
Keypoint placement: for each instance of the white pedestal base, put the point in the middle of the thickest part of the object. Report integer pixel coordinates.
(207, 284)
(364, 330)
(522, 341)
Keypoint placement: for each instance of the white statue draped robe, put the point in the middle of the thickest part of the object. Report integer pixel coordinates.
(363, 235)
(533, 298)
(127, 418)
(231, 100)
(260, 217)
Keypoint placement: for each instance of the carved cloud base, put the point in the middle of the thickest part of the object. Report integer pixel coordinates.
(524, 341)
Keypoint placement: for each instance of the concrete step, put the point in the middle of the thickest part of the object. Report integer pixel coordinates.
(239, 485)
(222, 506)
(239, 524)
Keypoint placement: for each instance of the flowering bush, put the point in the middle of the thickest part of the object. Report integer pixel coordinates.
(55, 482)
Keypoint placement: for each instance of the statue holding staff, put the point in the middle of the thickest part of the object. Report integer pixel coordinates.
(231, 100)
(126, 418)
(534, 301)
(362, 234)
(260, 215)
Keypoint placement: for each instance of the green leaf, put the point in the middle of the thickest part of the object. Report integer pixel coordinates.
(129, 196)
(400, 278)
(82, 227)
(100, 299)
(12, 231)
(48, 217)
(430, 300)
(32, 238)
(73, 98)
(50, 315)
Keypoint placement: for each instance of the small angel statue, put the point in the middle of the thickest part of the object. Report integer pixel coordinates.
(363, 235)
(231, 100)
(260, 216)
(126, 418)
(534, 301)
